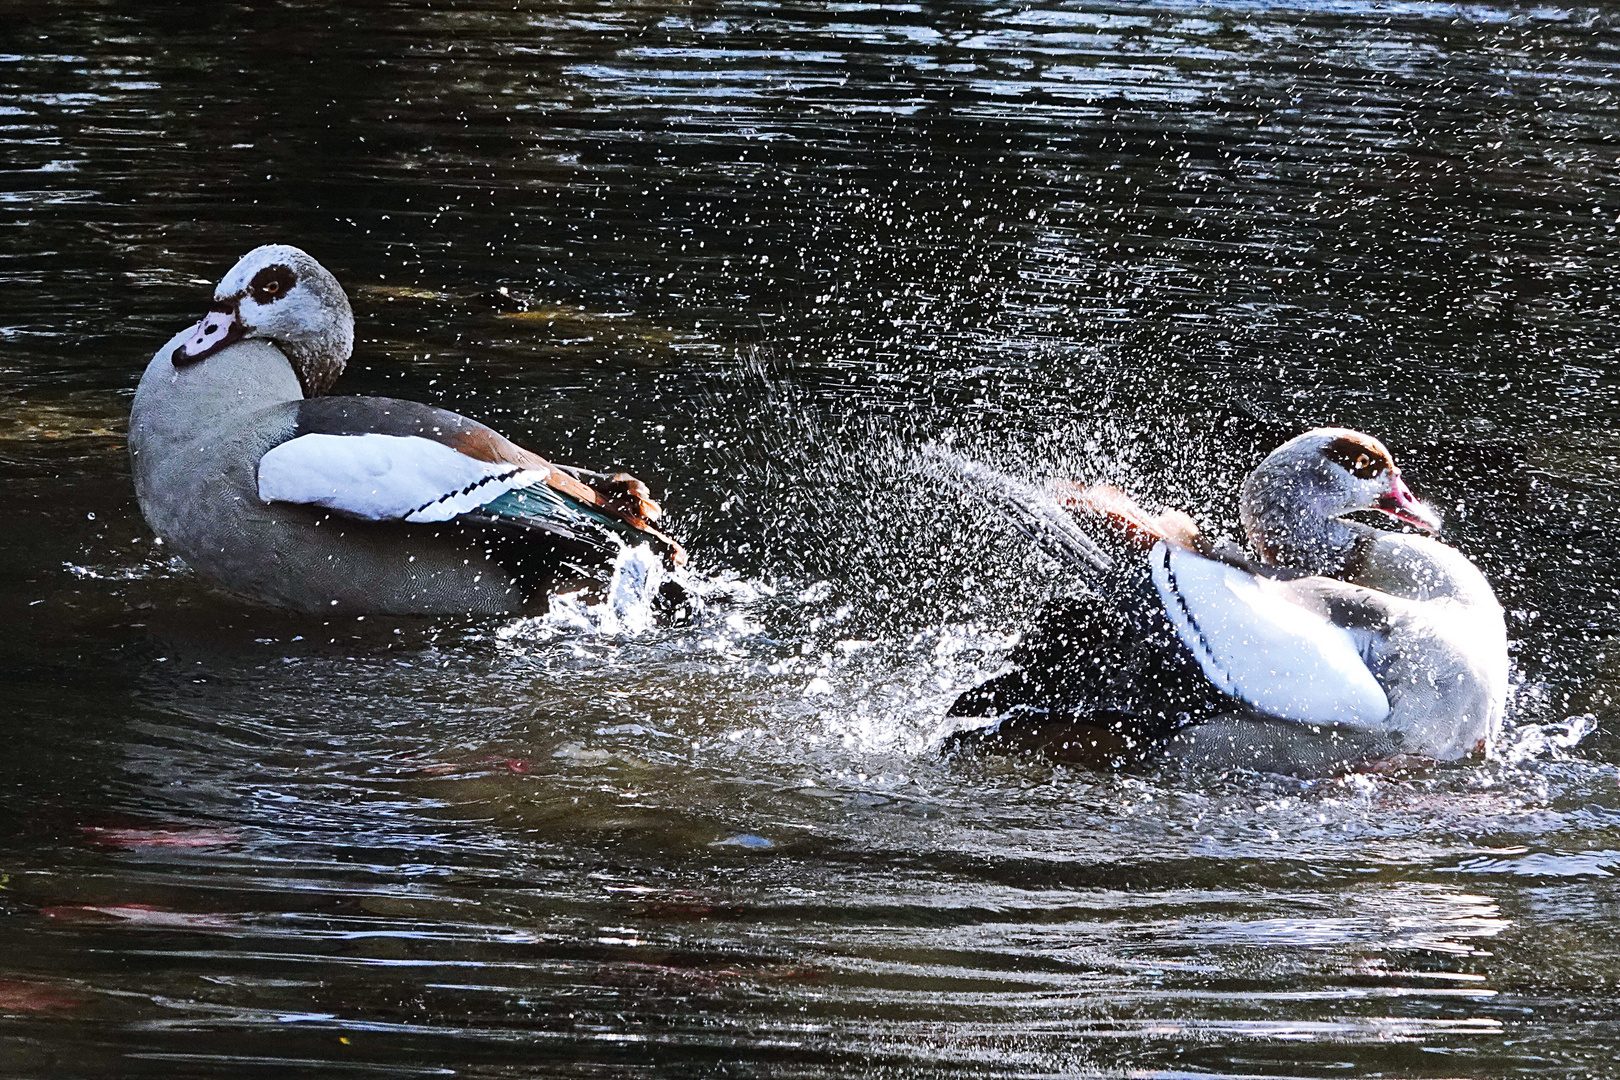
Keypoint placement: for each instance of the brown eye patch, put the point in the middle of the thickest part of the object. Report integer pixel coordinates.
(271, 283)
(1359, 459)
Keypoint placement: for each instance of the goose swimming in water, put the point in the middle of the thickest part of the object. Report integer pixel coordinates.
(351, 505)
(1337, 643)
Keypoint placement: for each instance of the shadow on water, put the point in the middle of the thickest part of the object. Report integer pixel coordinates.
(762, 255)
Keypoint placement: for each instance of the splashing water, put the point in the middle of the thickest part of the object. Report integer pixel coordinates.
(1527, 740)
(1035, 511)
(628, 608)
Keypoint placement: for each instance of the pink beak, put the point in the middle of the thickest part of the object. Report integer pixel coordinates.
(1399, 503)
(219, 328)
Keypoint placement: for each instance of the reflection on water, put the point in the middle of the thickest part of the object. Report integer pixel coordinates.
(761, 255)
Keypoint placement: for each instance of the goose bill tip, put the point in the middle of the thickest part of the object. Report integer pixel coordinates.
(217, 329)
(1399, 503)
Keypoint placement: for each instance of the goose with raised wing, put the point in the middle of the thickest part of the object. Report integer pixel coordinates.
(277, 493)
(1334, 642)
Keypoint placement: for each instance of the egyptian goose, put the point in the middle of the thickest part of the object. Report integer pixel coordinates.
(1337, 643)
(351, 505)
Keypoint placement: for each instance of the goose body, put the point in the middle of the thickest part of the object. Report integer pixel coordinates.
(278, 494)
(1339, 643)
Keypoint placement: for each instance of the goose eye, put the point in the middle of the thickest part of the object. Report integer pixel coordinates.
(271, 283)
(1356, 458)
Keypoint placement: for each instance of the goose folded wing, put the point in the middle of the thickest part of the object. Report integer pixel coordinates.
(416, 462)
(1260, 643)
(377, 477)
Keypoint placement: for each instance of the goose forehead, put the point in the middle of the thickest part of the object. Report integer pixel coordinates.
(1342, 445)
(1347, 436)
(237, 279)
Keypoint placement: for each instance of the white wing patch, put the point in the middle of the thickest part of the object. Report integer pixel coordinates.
(1255, 645)
(385, 477)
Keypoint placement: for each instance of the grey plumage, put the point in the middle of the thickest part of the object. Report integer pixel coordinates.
(215, 399)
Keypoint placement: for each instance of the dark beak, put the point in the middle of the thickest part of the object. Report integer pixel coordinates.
(1399, 503)
(219, 328)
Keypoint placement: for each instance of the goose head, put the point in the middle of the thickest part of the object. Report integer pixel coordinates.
(1295, 502)
(278, 293)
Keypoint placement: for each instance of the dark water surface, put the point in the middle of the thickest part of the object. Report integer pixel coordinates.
(760, 253)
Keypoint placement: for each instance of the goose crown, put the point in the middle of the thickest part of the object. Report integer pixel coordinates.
(279, 293)
(1294, 503)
